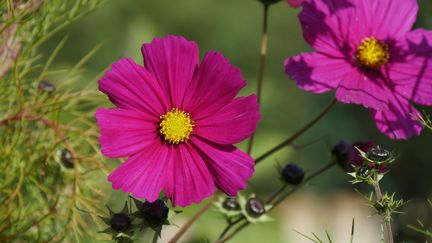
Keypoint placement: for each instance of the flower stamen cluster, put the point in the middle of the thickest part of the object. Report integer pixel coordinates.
(176, 126)
(372, 53)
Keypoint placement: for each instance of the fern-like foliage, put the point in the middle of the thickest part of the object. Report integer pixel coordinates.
(49, 158)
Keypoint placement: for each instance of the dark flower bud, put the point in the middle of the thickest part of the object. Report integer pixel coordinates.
(67, 159)
(292, 174)
(46, 86)
(347, 156)
(363, 171)
(255, 207)
(378, 154)
(120, 222)
(231, 204)
(155, 213)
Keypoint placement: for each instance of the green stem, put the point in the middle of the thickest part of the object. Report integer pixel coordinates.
(155, 237)
(291, 139)
(262, 60)
(385, 219)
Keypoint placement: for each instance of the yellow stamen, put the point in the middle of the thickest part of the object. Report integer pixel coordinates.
(372, 53)
(176, 126)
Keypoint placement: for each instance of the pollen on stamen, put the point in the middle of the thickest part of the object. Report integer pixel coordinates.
(176, 126)
(372, 53)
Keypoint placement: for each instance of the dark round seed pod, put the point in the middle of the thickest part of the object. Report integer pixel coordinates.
(255, 207)
(363, 171)
(155, 213)
(378, 154)
(46, 86)
(66, 159)
(292, 174)
(231, 204)
(120, 222)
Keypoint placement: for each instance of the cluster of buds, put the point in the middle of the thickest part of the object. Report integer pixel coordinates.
(124, 224)
(251, 208)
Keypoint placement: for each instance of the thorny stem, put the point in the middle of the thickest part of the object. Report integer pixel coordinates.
(277, 201)
(192, 220)
(291, 139)
(385, 219)
(262, 60)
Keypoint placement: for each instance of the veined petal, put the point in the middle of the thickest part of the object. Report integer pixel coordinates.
(400, 121)
(172, 61)
(143, 174)
(360, 88)
(187, 178)
(411, 72)
(130, 86)
(232, 124)
(125, 132)
(215, 84)
(229, 166)
(317, 73)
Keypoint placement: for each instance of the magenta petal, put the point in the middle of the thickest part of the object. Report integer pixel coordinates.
(390, 19)
(124, 132)
(188, 178)
(230, 167)
(172, 61)
(130, 86)
(369, 91)
(243, 118)
(295, 3)
(411, 73)
(317, 73)
(143, 174)
(215, 84)
(400, 121)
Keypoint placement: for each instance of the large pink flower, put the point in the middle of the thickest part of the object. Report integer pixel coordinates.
(366, 51)
(176, 122)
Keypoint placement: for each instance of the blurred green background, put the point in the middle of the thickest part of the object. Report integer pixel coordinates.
(234, 27)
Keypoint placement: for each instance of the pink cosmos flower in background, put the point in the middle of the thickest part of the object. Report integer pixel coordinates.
(295, 3)
(176, 121)
(366, 51)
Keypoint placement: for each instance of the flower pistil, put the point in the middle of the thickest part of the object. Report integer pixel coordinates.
(372, 53)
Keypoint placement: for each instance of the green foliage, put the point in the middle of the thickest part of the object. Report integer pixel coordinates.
(426, 121)
(421, 228)
(49, 158)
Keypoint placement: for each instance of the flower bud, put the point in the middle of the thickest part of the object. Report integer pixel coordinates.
(347, 156)
(378, 154)
(231, 204)
(67, 159)
(120, 222)
(155, 213)
(255, 207)
(292, 174)
(46, 86)
(363, 171)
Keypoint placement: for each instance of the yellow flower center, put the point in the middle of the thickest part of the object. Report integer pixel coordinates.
(372, 53)
(176, 126)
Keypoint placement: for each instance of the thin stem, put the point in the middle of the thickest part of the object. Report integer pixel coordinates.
(385, 219)
(291, 139)
(155, 237)
(262, 60)
(192, 220)
(275, 204)
(275, 195)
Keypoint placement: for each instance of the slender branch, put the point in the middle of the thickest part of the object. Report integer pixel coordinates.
(155, 237)
(386, 220)
(192, 220)
(262, 60)
(235, 232)
(291, 139)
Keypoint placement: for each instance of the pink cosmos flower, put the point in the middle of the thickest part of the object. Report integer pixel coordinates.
(295, 3)
(176, 122)
(366, 51)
